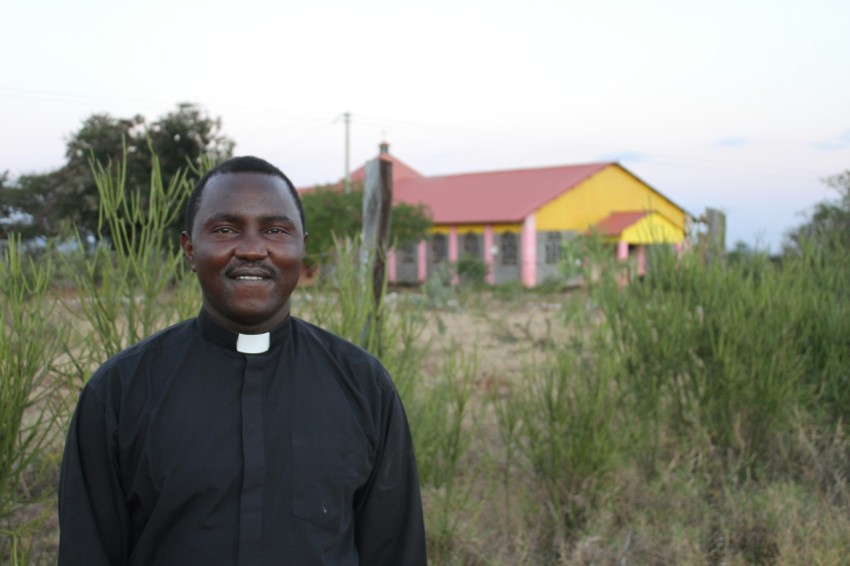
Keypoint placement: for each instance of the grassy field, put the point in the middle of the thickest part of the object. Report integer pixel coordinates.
(697, 416)
(548, 435)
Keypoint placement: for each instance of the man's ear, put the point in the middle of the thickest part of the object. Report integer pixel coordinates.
(188, 249)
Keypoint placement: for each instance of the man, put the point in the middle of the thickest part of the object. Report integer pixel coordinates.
(244, 436)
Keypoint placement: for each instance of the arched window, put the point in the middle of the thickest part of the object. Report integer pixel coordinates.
(471, 245)
(553, 247)
(439, 248)
(509, 249)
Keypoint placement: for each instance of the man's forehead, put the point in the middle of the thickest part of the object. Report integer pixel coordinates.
(236, 194)
(246, 179)
(229, 186)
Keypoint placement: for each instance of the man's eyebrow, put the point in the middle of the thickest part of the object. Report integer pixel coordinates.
(279, 218)
(266, 219)
(222, 217)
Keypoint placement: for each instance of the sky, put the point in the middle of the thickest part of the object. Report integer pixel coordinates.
(739, 105)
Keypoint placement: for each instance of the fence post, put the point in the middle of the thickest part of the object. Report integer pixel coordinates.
(377, 205)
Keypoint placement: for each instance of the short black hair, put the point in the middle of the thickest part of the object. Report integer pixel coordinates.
(242, 164)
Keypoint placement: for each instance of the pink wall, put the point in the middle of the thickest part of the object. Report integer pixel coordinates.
(391, 266)
(422, 256)
(453, 251)
(528, 251)
(622, 250)
(488, 254)
(641, 260)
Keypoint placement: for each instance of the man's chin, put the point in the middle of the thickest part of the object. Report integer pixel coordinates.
(259, 319)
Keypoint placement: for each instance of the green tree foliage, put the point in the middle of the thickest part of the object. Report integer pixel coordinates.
(829, 224)
(409, 223)
(331, 212)
(45, 204)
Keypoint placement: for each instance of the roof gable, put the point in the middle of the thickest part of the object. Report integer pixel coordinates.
(638, 227)
(615, 223)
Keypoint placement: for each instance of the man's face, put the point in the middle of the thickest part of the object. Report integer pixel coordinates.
(246, 247)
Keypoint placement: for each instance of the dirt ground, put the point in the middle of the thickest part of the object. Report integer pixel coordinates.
(501, 332)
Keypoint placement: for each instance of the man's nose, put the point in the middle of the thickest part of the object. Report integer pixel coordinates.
(252, 247)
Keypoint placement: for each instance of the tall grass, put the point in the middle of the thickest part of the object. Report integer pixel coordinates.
(444, 424)
(728, 355)
(707, 370)
(438, 406)
(30, 346)
(123, 285)
(558, 426)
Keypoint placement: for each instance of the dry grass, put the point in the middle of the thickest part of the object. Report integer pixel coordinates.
(680, 514)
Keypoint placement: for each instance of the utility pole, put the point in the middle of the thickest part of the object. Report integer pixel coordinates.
(347, 118)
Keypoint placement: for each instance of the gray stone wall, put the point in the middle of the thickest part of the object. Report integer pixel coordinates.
(407, 264)
(408, 272)
(435, 262)
(545, 269)
(505, 273)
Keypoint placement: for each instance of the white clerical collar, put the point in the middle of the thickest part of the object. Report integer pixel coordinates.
(253, 343)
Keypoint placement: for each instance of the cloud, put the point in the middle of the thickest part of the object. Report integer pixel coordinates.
(733, 142)
(625, 156)
(841, 141)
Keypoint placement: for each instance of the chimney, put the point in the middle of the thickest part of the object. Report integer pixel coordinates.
(384, 147)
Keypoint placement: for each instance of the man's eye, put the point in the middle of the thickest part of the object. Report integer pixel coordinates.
(223, 230)
(277, 231)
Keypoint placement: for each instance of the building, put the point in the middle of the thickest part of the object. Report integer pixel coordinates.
(516, 221)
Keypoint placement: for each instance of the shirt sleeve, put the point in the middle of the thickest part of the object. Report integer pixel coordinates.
(93, 517)
(389, 524)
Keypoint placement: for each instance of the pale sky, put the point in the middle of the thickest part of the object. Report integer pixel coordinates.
(738, 105)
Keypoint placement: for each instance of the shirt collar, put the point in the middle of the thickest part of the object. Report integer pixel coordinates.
(225, 338)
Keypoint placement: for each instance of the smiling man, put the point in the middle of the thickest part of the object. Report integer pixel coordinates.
(244, 436)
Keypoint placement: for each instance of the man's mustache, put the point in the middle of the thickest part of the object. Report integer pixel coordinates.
(251, 269)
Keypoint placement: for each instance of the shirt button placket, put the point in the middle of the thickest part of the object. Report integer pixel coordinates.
(254, 464)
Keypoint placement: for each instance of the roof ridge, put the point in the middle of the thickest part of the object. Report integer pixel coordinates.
(599, 164)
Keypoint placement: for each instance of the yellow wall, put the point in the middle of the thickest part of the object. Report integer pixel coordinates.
(610, 190)
(475, 228)
(652, 229)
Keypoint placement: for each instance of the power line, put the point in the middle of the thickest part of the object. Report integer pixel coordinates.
(303, 138)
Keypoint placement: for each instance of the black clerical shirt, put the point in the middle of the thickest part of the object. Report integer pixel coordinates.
(184, 451)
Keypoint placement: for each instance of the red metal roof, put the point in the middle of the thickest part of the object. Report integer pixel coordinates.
(495, 196)
(615, 223)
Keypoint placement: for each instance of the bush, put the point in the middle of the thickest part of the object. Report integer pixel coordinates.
(471, 270)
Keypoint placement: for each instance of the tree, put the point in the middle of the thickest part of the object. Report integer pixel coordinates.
(186, 136)
(25, 206)
(180, 139)
(331, 212)
(409, 223)
(829, 224)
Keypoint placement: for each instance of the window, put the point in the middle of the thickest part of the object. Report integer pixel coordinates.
(471, 246)
(553, 247)
(439, 248)
(509, 249)
(408, 254)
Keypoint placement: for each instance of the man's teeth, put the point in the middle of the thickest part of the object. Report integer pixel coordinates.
(249, 278)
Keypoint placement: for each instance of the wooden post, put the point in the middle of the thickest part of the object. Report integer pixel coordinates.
(715, 245)
(377, 204)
